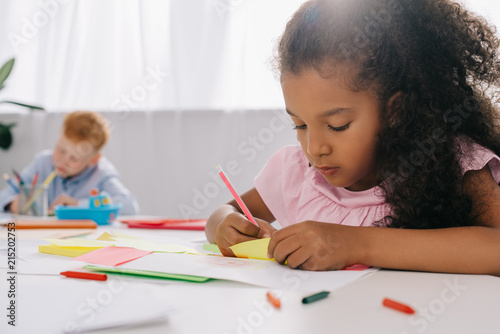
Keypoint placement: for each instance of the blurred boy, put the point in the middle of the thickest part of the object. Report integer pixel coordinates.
(79, 166)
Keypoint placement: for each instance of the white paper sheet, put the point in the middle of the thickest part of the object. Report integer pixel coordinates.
(257, 272)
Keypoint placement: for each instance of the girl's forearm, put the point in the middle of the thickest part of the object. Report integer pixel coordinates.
(468, 250)
(215, 219)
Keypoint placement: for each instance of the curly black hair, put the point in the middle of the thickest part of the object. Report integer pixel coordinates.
(436, 70)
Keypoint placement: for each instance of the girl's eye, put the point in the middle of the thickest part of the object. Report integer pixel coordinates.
(341, 128)
(299, 127)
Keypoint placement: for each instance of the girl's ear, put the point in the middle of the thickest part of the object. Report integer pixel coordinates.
(393, 108)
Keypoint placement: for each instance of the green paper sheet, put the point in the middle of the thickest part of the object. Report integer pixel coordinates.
(146, 273)
(211, 248)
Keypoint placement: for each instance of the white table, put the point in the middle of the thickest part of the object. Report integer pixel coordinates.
(444, 303)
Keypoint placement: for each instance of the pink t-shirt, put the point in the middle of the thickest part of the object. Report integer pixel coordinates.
(295, 192)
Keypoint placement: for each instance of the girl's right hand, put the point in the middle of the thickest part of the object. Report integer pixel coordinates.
(236, 228)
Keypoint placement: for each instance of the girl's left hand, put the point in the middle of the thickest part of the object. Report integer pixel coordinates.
(312, 245)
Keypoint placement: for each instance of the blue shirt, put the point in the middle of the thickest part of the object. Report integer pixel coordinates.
(102, 175)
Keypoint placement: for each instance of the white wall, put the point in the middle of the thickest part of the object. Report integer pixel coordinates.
(164, 157)
(167, 158)
(489, 9)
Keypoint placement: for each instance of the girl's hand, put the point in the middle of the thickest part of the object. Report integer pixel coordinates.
(235, 228)
(14, 205)
(312, 245)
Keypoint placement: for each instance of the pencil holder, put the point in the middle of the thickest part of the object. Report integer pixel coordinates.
(34, 201)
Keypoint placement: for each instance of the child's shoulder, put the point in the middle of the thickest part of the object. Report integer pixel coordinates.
(290, 154)
(289, 164)
(474, 156)
(105, 167)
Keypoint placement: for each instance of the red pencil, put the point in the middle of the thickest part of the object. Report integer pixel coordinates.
(84, 275)
(235, 195)
(18, 177)
(397, 306)
(33, 185)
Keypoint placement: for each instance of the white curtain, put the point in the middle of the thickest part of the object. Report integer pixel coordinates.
(143, 55)
(148, 54)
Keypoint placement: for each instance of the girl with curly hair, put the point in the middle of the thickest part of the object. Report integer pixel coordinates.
(394, 106)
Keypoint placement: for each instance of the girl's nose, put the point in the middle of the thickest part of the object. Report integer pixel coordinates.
(317, 145)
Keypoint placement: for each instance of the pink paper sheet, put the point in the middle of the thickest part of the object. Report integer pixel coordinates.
(112, 256)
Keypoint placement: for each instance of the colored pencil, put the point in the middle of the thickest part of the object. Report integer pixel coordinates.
(11, 184)
(33, 185)
(37, 193)
(235, 195)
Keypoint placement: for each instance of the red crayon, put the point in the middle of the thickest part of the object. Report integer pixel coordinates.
(84, 275)
(398, 306)
(273, 300)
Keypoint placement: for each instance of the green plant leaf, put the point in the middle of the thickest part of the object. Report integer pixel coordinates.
(23, 105)
(5, 70)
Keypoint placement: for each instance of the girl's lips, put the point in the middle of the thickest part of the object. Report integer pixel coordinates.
(328, 171)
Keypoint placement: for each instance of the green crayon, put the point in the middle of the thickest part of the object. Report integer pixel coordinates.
(315, 297)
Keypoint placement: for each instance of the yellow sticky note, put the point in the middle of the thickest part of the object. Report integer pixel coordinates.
(65, 251)
(109, 236)
(124, 236)
(254, 249)
(78, 242)
(106, 237)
